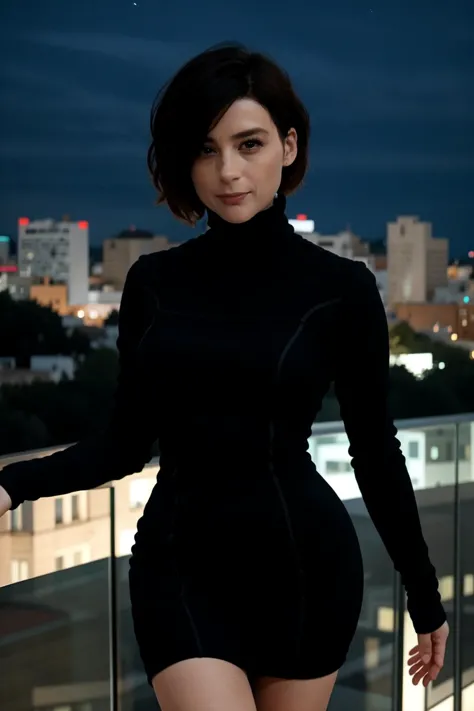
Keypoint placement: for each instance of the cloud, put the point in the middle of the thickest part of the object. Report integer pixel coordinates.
(336, 85)
(392, 161)
(156, 53)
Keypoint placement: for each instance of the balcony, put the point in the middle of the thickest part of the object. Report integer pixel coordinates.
(66, 640)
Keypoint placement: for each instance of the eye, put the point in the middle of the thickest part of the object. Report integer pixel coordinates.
(251, 144)
(207, 150)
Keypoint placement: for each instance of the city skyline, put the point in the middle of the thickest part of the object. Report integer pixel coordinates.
(387, 86)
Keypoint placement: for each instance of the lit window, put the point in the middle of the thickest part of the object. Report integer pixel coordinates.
(77, 558)
(386, 619)
(446, 588)
(19, 570)
(59, 562)
(468, 585)
(434, 453)
(372, 652)
(413, 450)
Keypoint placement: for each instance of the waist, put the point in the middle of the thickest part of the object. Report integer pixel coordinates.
(229, 463)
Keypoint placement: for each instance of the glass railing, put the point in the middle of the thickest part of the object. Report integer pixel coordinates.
(66, 637)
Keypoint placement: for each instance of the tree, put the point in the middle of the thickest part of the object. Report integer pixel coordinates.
(20, 432)
(28, 329)
(99, 368)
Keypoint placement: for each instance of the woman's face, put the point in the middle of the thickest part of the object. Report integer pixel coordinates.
(240, 166)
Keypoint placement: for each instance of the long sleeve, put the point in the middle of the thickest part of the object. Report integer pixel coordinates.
(362, 385)
(125, 445)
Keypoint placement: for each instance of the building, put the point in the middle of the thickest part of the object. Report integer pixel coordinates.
(417, 262)
(53, 295)
(120, 252)
(58, 251)
(17, 286)
(52, 534)
(4, 250)
(455, 320)
(344, 244)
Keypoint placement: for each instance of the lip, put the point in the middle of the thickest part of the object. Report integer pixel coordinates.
(232, 198)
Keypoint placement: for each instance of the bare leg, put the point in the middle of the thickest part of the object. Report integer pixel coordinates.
(203, 684)
(293, 694)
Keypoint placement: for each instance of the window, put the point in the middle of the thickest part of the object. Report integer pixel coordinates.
(469, 584)
(385, 619)
(58, 511)
(59, 562)
(434, 453)
(19, 570)
(75, 507)
(413, 450)
(372, 652)
(77, 558)
(16, 519)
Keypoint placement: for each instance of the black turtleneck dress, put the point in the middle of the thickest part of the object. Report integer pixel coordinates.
(228, 344)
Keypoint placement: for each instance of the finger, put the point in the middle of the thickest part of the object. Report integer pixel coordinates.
(434, 671)
(439, 650)
(416, 668)
(419, 676)
(438, 659)
(414, 650)
(414, 660)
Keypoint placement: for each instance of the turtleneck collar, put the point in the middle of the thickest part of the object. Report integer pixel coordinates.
(263, 233)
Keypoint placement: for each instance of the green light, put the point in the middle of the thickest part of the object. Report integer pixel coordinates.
(4, 239)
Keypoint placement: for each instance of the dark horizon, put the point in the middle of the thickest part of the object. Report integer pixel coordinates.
(388, 86)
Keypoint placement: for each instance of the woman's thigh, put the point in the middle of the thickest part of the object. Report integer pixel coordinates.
(204, 684)
(273, 694)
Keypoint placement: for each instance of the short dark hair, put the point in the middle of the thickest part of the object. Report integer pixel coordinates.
(194, 101)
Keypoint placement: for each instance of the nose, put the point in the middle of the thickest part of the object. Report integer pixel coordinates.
(229, 167)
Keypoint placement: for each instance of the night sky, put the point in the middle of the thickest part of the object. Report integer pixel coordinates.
(389, 85)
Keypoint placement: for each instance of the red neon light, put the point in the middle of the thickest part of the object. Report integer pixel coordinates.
(8, 268)
(301, 217)
(83, 224)
(471, 254)
(23, 221)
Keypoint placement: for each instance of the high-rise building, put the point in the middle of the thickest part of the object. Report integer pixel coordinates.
(417, 262)
(58, 251)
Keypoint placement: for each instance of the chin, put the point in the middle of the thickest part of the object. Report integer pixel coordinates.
(237, 214)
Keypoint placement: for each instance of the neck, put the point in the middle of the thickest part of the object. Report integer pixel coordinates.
(264, 229)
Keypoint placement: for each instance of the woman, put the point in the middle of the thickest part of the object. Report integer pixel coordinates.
(246, 576)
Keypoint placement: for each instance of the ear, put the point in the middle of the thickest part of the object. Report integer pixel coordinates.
(290, 147)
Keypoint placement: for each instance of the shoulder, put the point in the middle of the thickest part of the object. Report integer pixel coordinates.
(156, 263)
(348, 273)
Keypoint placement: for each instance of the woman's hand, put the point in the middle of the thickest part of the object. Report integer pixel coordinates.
(427, 659)
(5, 501)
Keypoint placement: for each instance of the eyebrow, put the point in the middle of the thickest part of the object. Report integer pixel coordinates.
(245, 134)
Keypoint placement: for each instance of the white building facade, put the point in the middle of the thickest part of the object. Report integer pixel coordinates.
(58, 250)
